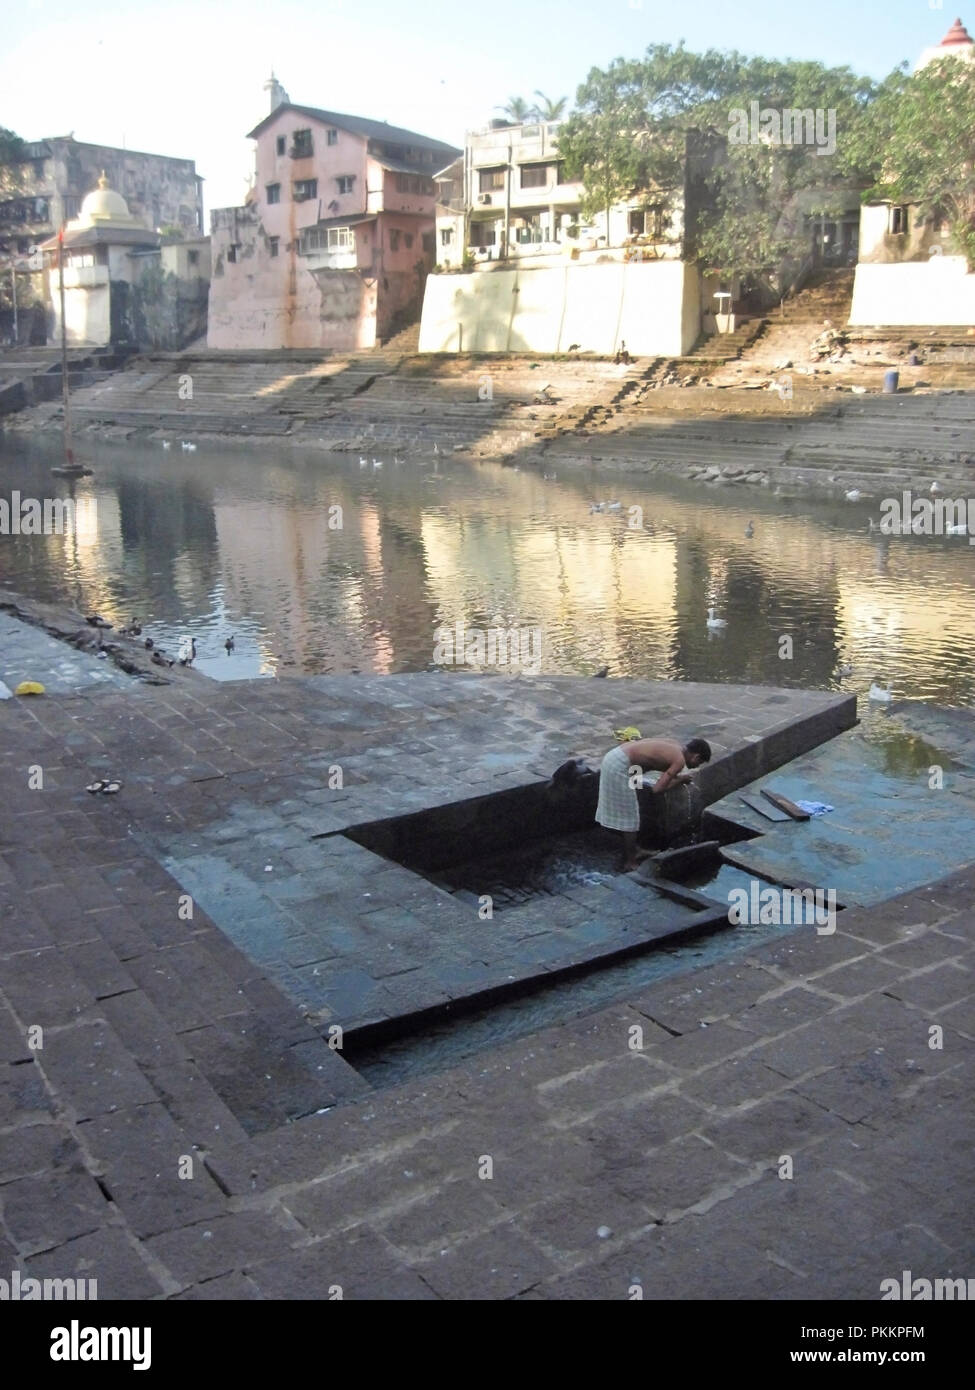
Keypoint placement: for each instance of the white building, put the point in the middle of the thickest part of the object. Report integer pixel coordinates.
(906, 273)
(509, 199)
(541, 277)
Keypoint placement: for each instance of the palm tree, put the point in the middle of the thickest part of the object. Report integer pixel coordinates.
(551, 110)
(517, 110)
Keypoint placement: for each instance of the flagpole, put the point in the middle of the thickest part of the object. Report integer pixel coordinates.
(68, 454)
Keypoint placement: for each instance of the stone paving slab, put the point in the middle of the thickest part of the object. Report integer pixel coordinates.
(27, 653)
(568, 1164)
(890, 830)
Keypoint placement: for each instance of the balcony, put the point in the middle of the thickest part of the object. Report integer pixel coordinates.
(83, 277)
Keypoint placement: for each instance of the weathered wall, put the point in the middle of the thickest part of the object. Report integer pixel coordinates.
(159, 190)
(941, 291)
(878, 245)
(653, 307)
(288, 300)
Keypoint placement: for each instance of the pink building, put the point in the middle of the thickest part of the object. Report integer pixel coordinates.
(334, 243)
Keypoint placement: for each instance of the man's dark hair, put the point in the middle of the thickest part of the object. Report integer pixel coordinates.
(701, 747)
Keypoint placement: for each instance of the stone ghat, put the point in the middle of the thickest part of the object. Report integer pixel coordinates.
(295, 814)
(543, 412)
(613, 1166)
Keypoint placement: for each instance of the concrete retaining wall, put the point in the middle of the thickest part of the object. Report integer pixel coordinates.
(939, 292)
(653, 308)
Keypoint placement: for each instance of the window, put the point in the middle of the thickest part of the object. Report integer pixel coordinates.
(529, 232)
(428, 243)
(272, 245)
(484, 234)
(415, 183)
(301, 146)
(394, 235)
(646, 221)
(897, 223)
(193, 257)
(408, 239)
(446, 236)
(305, 189)
(232, 253)
(326, 239)
(279, 145)
(560, 176)
(534, 175)
(273, 191)
(346, 183)
(490, 179)
(332, 137)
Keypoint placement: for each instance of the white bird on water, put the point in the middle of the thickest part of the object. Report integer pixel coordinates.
(614, 506)
(935, 487)
(377, 463)
(715, 622)
(188, 448)
(882, 694)
(750, 530)
(167, 444)
(853, 495)
(596, 506)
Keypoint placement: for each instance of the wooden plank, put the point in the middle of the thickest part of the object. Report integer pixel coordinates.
(784, 804)
(770, 812)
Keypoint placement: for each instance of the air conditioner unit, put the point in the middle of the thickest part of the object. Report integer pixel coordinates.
(484, 197)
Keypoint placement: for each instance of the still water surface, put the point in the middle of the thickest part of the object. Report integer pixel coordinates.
(236, 540)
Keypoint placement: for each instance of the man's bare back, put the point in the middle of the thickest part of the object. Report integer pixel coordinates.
(658, 755)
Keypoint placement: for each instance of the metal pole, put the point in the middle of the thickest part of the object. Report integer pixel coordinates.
(13, 291)
(69, 456)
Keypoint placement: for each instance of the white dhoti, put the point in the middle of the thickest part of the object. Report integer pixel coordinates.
(618, 807)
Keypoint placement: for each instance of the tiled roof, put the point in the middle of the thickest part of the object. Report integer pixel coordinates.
(361, 125)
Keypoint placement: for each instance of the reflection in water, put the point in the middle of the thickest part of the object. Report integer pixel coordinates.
(238, 541)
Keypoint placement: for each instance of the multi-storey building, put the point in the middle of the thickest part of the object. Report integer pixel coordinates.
(510, 199)
(58, 173)
(333, 245)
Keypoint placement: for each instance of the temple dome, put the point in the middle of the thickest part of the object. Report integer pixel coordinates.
(102, 205)
(957, 43)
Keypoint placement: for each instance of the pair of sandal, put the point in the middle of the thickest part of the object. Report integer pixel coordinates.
(109, 788)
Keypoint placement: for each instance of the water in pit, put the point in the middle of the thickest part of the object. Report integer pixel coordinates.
(448, 1044)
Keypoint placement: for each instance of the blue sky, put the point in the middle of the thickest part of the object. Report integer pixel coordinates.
(185, 78)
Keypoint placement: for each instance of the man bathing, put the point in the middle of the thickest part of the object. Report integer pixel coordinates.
(619, 808)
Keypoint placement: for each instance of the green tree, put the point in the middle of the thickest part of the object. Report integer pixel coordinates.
(601, 142)
(551, 110)
(670, 122)
(13, 154)
(923, 128)
(517, 110)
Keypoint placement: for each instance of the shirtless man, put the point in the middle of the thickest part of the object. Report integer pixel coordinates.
(618, 807)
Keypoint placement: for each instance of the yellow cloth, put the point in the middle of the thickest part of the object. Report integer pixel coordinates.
(626, 735)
